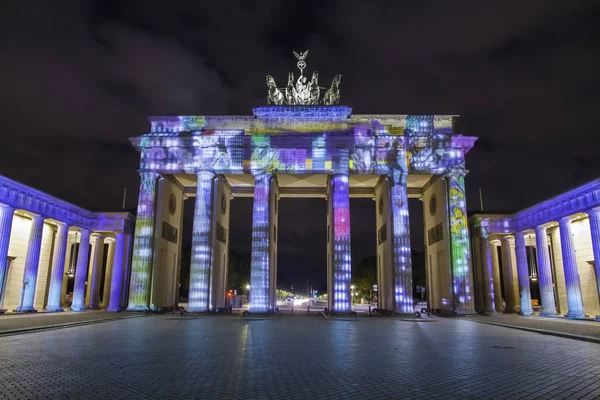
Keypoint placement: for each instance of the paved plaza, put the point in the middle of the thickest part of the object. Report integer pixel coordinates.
(170, 357)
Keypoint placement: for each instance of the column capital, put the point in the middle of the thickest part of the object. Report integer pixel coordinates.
(541, 230)
(143, 172)
(565, 220)
(520, 235)
(594, 212)
(457, 170)
(507, 238)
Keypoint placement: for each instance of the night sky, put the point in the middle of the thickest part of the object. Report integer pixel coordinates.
(79, 77)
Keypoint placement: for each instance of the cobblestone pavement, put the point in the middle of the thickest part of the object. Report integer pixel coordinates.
(10, 322)
(561, 325)
(162, 357)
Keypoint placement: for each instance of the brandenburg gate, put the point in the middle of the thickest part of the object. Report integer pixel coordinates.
(301, 144)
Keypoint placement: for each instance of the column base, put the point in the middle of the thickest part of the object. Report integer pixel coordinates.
(525, 313)
(548, 313)
(491, 313)
(114, 309)
(95, 307)
(78, 308)
(138, 308)
(25, 310)
(575, 315)
(2, 311)
(54, 309)
(597, 317)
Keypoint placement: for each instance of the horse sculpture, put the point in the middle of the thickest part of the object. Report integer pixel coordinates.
(274, 96)
(290, 91)
(332, 95)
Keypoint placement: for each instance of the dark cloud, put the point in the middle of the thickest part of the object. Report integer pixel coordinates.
(79, 77)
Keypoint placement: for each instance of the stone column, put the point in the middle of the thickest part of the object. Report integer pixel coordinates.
(341, 301)
(32, 262)
(496, 278)
(594, 218)
(6, 218)
(459, 240)
(110, 260)
(201, 246)
(96, 273)
(143, 245)
(116, 278)
(507, 275)
(58, 268)
(572, 283)
(523, 275)
(487, 275)
(81, 271)
(545, 272)
(259, 267)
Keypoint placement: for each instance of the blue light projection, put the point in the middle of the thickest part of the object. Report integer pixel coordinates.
(201, 251)
(341, 243)
(32, 260)
(58, 267)
(81, 271)
(545, 272)
(572, 283)
(523, 274)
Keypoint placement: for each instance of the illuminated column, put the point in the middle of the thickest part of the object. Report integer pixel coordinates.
(58, 268)
(201, 246)
(97, 273)
(574, 298)
(110, 260)
(6, 218)
(594, 218)
(81, 271)
(116, 278)
(507, 275)
(32, 262)
(487, 274)
(545, 272)
(496, 277)
(143, 245)
(459, 239)
(259, 268)
(341, 268)
(523, 274)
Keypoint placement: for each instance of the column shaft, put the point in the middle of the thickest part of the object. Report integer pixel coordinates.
(201, 246)
(81, 270)
(341, 268)
(523, 274)
(58, 268)
(507, 275)
(594, 218)
(487, 275)
(143, 245)
(259, 267)
(545, 272)
(116, 278)
(97, 273)
(496, 278)
(110, 260)
(459, 238)
(6, 218)
(32, 262)
(574, 297)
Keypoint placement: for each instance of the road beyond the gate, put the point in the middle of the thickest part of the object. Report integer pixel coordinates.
(214, 357)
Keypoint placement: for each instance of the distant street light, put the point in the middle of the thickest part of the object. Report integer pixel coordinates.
(247, 287)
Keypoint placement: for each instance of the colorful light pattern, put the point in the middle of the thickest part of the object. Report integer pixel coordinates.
(201, 250)
(259, 268)
(143, 246)
(459, 239)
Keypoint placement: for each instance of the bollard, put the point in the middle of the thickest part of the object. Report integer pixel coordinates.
(369, 310)
(308, 309)
(292, 310)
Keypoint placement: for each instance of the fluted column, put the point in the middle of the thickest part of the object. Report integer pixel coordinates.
(6, 218)
(594, 218)
(81, 270)
(201, 244)
(507, 275)
(143, 245)
(574, 297)
(487, 275)
(545, 272)
(97, 273)
(523, 275)
(496, 278)
(259, 267)
(459, 239)
(58, 268)
(341, 301)
(110, 260)
(116, 278)
(32, 262)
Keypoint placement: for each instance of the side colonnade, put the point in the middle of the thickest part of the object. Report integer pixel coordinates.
(549, 257)
(45, 251)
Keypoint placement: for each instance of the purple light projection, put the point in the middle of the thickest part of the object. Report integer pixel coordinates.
(523, 274)
(546, 287)
(32, 261)
(341, 243)
(81, 271)
(58, 268)
(574, 298)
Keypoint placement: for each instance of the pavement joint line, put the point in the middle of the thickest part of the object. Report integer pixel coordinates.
(541, 331)
(19, 331)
